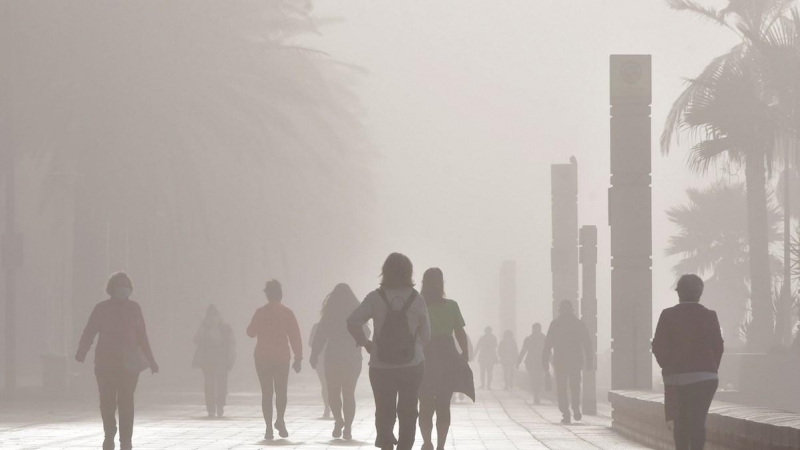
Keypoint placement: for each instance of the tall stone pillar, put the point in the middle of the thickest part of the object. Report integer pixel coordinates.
(564, 253)
(508, 297)
(630, 218)
(588, 259)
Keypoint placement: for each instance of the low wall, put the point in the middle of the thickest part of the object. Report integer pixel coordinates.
(640, 416)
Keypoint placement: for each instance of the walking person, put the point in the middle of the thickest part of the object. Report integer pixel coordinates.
(571, 347)
(342, 359)
(215, 356)
(446, 370)
(508, 352)
(531, 354)
(319, 368)
(276, 328)
(396, 363)
(486, 352)
(688, 346)
(122, 352)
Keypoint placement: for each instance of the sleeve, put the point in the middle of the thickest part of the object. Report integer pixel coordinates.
(295, 340)
(458, 321)
(252, 329)
(89, 332)
(141, 336)
(424, 331)
(717, 342)
(661, 342)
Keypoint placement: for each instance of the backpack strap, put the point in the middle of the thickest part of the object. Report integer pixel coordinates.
(383, 296)
(409, 301)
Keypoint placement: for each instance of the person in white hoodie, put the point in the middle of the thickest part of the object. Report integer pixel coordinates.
(402, 329)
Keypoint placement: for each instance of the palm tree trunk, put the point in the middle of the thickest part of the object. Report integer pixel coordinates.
(762, 327)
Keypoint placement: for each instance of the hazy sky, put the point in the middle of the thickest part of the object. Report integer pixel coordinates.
(470, 101)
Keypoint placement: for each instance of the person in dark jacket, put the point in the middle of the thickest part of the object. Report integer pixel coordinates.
(569, 342)
(688, 346)
(122, 352)
(342, 359)
(215, 355)
(531, 353)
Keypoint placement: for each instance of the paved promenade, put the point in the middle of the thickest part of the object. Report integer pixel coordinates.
(499, 420)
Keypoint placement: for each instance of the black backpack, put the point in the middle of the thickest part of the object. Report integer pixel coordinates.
(396, 344)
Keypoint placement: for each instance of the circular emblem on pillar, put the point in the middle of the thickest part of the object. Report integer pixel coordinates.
(631, 72)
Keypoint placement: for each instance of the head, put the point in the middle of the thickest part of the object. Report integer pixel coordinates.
(397, 272)
(339, 303)
(433, 284)
(690, 288)
(274, 291)
(565, 308)
(212, 313)
(487, 330)
(536, 328)
(119, 286)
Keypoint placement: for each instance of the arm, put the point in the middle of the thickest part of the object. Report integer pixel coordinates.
(661, 342)
(424, 330)
(525, 349)
(252, 329)
(461, 338)
(717, 342)
(142, 341)
(318, 341)
(87, 338)
(295, 340)
(357, 320)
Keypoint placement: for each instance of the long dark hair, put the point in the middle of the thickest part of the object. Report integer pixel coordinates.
(339, 303)
(397, 272)
(433, 284)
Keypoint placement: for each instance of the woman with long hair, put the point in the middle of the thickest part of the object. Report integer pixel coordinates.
(342, 359)
(122, 352)
(442, 359)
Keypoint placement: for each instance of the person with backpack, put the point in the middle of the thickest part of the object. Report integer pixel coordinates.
(396, 365)
(446, 368)
(215, 355)
(122, 352)
(275, 327)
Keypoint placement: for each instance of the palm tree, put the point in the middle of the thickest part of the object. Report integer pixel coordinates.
(712, 241)
(729, 117)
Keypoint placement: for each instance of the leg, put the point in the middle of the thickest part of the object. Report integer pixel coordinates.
(384, 389)
(222, 389)
(335, 385)
(561, 391)
(323, 383)
(349, 395)
(125, 399)
(575, 392)
(281, 387)
(107, 387)
(489, 374)
(442, 419)
(483, 376)
(265, 378)
(681, 430)
(427, 406)
(407, 399)
(209, 388)
(702, 395)
(536, 383)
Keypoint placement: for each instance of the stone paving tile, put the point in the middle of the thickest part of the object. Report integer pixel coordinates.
(499, 420)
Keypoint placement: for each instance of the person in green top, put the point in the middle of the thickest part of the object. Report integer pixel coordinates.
(445, 368)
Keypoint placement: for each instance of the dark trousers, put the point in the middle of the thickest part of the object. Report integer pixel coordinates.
(568, 378)
(216, 388)
(274, 379)
(116, 386)
(440, 404)
(690, 423)
(396, 393)
(342, 380)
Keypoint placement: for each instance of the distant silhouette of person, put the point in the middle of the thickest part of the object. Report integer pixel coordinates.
(531, 354)
(342, 359)
(122, 352)
(402, 329)
(486, 352)
(215, 355)
(688, 346)
(446, 370)
(508, 352)
(320, 369)
(276, 328)
(569, 342)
